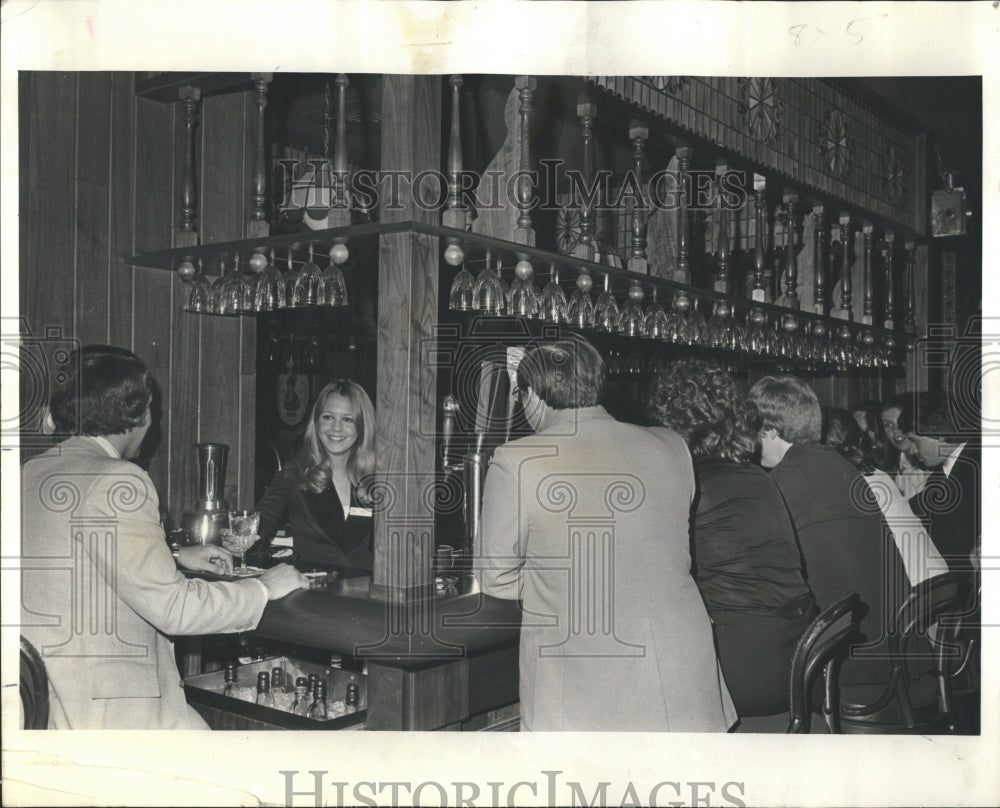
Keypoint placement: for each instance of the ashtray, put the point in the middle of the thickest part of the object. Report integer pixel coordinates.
(318, 579)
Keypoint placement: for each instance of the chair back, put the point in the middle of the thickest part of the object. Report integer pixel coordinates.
(821, 648)
(936, 608)
(34, 688)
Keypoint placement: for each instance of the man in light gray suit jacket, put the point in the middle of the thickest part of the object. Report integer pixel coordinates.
(586, 522)
(101, 592)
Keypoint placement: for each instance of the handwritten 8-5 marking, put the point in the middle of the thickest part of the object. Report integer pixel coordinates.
(800, 30)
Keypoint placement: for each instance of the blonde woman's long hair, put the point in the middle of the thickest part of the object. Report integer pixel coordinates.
(316, 473)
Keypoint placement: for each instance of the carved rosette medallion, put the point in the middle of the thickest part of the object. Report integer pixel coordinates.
(835, 145)
(894, 175)
(762, 108)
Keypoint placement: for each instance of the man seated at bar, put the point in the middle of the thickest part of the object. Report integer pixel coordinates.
(905, 468)
(101, 593)
(949, 502)
(586, 522)
(323, 491)
(746, 560)
(844, 545)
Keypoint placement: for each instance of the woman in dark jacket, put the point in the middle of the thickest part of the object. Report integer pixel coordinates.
(746, 559)
(324, 490)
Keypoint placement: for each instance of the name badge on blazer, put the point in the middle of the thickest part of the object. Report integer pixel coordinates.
(357, 510)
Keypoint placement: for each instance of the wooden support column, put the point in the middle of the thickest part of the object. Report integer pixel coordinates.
(889, 279)
(790, 296)
(759, 292)
(586, 247)
(638, 133)
(525, 86)
(821, 248)
(724, 250)
(868, 311)
(846, 281)
(683, 273)
(407, 314)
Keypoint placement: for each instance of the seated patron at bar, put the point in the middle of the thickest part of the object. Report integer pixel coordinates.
(586, 522)
(845, 546)
(904, 465)
(746, 560)
(323, 491)
(105, 640)
(949, 501)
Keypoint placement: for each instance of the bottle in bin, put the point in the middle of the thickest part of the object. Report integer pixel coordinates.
(353, 697)
(302, 701)
(230, 679)
(317, 710)
(264, 697)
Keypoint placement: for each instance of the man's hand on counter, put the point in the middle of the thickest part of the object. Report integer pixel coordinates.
(283, 580)
(205, 558)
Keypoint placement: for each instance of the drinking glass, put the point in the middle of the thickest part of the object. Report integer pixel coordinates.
(552, 306)
(720, 328)
(696, 328)
(632, 320)
(460, 296)
(241, 536)
(676, 324)
(655, 324)
(308, 289)
(580, 309)
(334, 290)
(200, 293)
(523, 299)
(606, 311)
(488, 294)
(270, 291)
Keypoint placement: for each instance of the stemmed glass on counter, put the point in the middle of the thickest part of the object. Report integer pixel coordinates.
(242, 534)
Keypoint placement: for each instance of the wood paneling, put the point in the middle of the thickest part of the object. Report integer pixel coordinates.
(122, 212)
(407, 312)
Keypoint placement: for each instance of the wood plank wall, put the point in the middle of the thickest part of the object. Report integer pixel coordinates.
(102, 171)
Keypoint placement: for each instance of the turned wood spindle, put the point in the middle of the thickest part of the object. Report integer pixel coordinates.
(868, 305)
(526, 92)
(585, 247)
(791, 293)
(911, 300)
(454, 215)
(258, 183)
(684, 155)
(759, 291)
(846, 282)
(721, 283)
(190, 104)
(889, 274)
(638, 133)
(820, 251)
(340, 165)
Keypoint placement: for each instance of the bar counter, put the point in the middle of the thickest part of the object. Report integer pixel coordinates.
(446, 661)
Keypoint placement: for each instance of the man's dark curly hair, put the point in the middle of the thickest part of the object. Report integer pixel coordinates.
(701, 401)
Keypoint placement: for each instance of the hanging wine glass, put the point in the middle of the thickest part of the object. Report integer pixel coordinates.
(226, 292)
(308, 289)
(333, 288)
(460, 295)
(248, 286)
(290, 277)
(632, 320)
(580, 309)
(720, 327)
(488, 293)
(552, 306)
(676, 323)
(270, 292)
(696, 330)
(199, 298)
(756, 338)
(606, 312)
(655, 324)
(523, 300)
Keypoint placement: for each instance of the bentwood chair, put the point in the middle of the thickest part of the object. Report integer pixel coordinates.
(34, 688)
(819, 652)
(925, 653)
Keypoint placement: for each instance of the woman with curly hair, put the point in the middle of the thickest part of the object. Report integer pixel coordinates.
(745, 556)
(324, 490)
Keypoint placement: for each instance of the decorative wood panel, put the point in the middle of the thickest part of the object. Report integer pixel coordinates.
(813, 131)
(407, 312)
